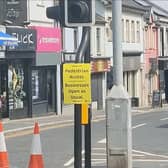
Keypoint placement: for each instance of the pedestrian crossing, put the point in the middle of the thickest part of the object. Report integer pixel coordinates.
(98, 156)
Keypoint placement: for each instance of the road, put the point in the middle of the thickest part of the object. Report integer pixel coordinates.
(150, 147)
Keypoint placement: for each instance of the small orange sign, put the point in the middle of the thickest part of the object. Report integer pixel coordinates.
(84, 116)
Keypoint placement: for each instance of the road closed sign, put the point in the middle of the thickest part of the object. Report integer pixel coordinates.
(77, 83)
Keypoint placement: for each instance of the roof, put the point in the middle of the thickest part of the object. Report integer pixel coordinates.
(159, 9)
(133, 4)
(128, 3)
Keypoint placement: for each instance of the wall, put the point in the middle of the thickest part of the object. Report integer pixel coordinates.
(39, 6)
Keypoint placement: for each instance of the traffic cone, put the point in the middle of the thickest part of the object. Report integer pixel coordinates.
(36, 158)
(4, 162)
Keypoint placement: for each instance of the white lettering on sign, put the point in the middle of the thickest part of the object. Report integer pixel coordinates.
(24, 38)
(49, 40)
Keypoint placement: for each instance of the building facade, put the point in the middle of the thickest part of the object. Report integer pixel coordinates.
(37, 68)
(132, 46)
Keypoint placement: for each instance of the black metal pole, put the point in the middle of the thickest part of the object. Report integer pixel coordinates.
(77, 137)
(77, 116)
(88, 126)
(88, 141)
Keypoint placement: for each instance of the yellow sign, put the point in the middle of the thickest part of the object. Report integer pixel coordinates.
(77, 83)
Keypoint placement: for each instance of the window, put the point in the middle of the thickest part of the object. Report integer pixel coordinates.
(123, 39)
(109, 29)
(137, 32)
(132, 31)
(39, 85)
(153, 38)
(166, 41)
(35, 85)
(127, 31)
(75, 39)
(98, 34)
(40, 3)
(16, 86)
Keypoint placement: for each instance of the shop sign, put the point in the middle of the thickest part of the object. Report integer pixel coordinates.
(100, 65)
(50, 41)
(26, 39)
(77, 83)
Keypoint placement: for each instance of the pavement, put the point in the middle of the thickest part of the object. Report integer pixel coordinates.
(13, 126)
(20, 125)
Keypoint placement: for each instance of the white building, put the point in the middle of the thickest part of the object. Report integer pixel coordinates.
(133, 46)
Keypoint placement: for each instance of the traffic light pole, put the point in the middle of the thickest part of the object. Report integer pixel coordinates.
(77, 116)
(88, 126)
(77, 137)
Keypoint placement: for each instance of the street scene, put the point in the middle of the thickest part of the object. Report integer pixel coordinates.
(83, 83)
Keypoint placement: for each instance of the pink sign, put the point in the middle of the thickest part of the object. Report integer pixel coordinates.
(48, 39)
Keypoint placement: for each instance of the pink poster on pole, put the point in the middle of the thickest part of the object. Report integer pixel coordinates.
(48, 39)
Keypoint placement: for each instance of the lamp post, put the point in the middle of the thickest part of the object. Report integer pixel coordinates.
(118, 108)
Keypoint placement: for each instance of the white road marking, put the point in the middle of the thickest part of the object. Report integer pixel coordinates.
(139, 125)
(149, 160)
(150, 154)
(71, 160)
(102, 141)
(163, 119)
(99, 148)
(138, 155)
(99, 154)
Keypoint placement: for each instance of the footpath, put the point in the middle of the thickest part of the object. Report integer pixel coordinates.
(20, 125)
(13, 126)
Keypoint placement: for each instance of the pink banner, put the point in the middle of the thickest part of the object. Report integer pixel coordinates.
(48, 39)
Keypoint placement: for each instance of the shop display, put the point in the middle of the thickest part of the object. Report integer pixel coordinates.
(15, 85)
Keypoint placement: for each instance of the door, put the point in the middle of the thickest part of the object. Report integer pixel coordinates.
(3, 91)
(51, 90)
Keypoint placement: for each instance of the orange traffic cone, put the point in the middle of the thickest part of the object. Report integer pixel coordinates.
(4, 162)
(36, 158)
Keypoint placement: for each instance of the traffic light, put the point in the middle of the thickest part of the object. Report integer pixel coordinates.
(79, 12)
(57, 12)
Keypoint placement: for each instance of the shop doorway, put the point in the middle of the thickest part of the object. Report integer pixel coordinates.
(51, 90)
(3, 91)
(17, 90)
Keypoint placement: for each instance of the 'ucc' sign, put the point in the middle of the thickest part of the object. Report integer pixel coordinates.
(26, 39)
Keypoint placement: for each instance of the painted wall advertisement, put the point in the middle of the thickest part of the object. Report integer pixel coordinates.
(77, 83)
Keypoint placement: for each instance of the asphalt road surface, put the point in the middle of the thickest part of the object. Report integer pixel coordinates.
(150, 144)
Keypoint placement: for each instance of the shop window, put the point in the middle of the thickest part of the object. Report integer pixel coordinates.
(39, 85)
(16, 88)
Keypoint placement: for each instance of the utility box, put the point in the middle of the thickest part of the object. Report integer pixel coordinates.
(118, 130)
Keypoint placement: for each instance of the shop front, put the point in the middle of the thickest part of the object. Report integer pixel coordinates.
(44, 71)
(18, 70)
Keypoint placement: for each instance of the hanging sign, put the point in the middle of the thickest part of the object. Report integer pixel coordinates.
(77, 83)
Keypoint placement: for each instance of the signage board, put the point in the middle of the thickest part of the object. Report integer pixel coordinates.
(26, 39)
(50, 41)
(77, 83)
